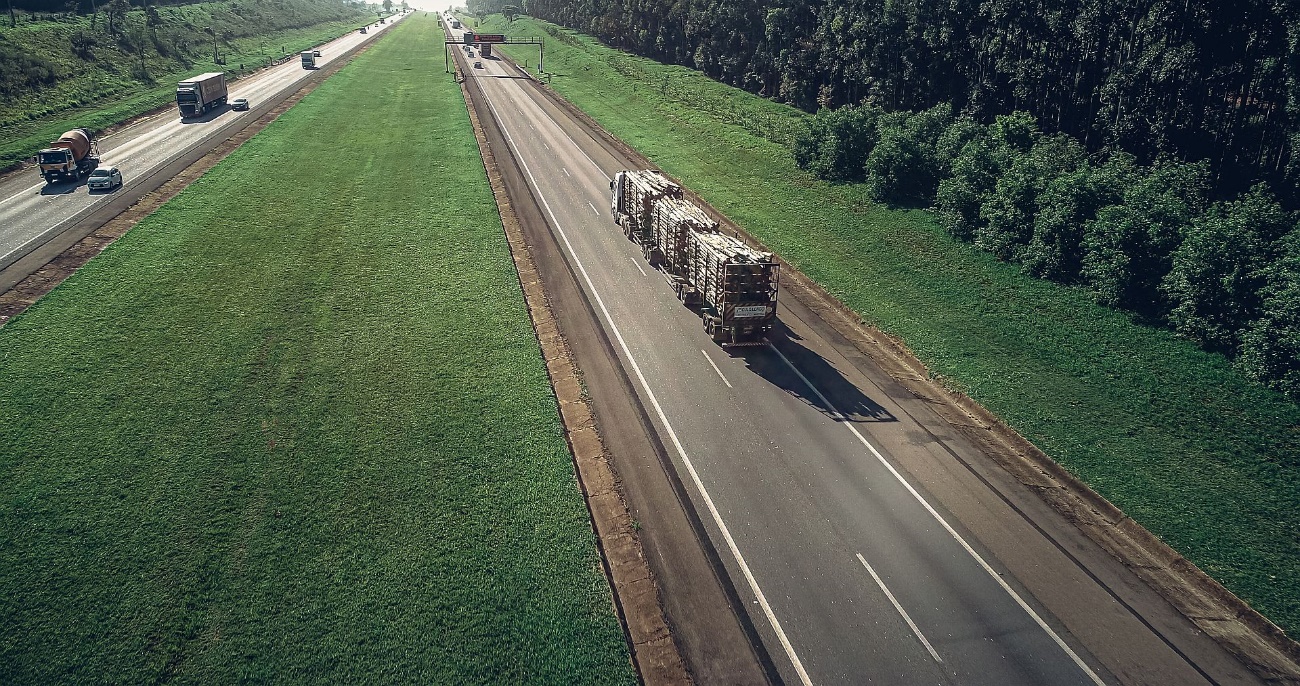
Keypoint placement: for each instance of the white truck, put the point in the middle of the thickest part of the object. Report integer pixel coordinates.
(205, 92)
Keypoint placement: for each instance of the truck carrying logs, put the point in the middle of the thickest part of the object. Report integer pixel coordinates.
(633, 197)
(733, 286)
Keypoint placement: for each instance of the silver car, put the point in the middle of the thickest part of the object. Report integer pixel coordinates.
(104, 179)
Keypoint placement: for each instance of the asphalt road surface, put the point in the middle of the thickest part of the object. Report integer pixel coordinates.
(32, 213)
(864, 547)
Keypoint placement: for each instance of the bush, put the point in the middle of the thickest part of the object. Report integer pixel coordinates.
(1066, 204)
(20, 73)
(1127, 248)
(953, 140)
(835, 142)
(974, 173)
(1017, 131)
(1218, 274)
(1270, 348)
(83, 44)
(902, 167)
(1008, 212)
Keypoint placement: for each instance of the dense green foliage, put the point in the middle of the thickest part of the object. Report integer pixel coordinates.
(1197, 80)
(69, 70)
(297, 427)
(1143, 238)
(1171, 434)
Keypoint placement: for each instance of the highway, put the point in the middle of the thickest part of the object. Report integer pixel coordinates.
(862, 547)
(32, 213)
(861, 543)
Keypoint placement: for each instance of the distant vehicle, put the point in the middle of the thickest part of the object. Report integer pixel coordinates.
(478, 65)
(70, 157)
(455, 24)
(308, 59)
(239, 104)
(196, 96)
(363, 30)
(315, 53)
(104, 179)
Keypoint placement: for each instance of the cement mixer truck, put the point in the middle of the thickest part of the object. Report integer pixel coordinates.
(71, 157)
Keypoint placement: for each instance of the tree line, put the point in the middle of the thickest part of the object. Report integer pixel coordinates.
(1193, 80)
(1145, 238)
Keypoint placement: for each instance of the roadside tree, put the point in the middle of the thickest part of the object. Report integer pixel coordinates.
(1218, 274)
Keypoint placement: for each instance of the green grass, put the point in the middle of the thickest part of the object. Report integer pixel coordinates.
(1175, 437)
(98, 93)
(296, 426)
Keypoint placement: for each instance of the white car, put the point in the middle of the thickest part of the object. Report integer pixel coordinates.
(104, 179)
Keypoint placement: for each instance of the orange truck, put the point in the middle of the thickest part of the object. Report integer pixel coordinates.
(71, 157)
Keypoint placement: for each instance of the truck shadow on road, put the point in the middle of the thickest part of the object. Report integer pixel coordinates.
(836, 392)
(207, 117)
(62, 187)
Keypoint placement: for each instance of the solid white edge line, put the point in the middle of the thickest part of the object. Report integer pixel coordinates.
(906, 617)
(637, 264)
(659, 411)
(836, 414)
(715, 368)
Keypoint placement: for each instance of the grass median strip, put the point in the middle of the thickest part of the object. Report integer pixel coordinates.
(1202, 458)
(296, 425)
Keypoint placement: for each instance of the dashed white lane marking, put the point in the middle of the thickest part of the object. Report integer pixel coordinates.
(637, 264)
(906, 617)
(839, 417)
(715, 368)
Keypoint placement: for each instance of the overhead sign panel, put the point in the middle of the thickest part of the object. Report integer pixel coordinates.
(489, 38)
